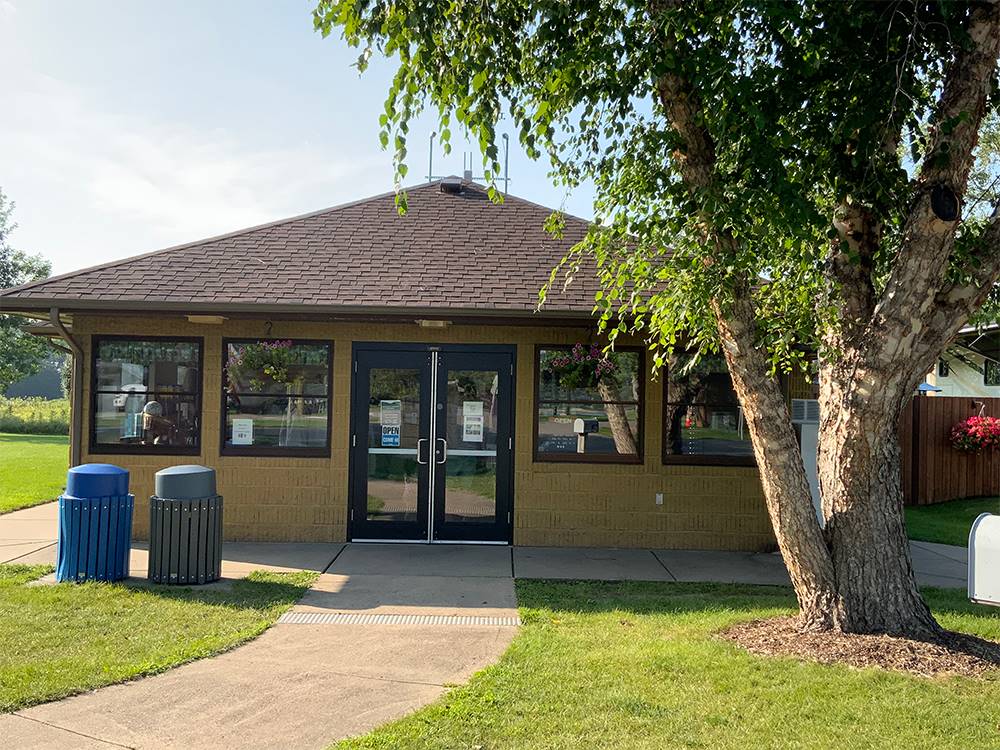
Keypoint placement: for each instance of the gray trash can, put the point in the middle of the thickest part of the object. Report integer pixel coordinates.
(185, 527)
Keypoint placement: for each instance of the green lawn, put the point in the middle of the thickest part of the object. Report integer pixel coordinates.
(636, 665)
(32, 469)
(948, 523)
(67, 638)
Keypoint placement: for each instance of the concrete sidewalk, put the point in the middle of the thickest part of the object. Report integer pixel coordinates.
(935, 565)
(382, 632)
(29, 536)
(309, 681)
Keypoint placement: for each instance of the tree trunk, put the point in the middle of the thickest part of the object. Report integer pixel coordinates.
(782, 473)
(860, 479)
(621, 430)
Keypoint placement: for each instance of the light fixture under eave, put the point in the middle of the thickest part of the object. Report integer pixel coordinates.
(433, 323)
(211, 320)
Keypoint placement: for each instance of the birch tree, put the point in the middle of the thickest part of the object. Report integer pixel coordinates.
(771, 178)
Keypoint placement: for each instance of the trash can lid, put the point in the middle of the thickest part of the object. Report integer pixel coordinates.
(97, 480)
(187, 482)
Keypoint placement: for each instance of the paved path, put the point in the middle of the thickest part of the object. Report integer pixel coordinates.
(29, 536)
(307, 685)
(383, 631)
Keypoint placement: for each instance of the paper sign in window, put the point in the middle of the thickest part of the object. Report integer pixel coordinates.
(472, 421)
(390, 413)
(242, 432)
(472, 429)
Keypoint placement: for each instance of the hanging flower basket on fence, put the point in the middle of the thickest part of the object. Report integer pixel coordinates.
(976, 434)
(582, 367)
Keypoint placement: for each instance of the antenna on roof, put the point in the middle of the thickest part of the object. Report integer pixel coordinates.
(467, 172)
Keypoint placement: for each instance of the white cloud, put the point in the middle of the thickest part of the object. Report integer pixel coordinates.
(7, 7)
(93, 184)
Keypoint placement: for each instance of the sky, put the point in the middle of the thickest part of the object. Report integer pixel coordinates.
(128, 127)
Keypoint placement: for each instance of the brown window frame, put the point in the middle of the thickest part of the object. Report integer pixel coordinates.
(686, 459)
(589, 458)
(107, 449)
(252, 451)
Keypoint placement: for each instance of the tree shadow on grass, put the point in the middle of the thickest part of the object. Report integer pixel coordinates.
(649, 597)
(968, 647)
(260, 590)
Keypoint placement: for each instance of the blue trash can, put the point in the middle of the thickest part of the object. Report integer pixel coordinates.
(95, 524)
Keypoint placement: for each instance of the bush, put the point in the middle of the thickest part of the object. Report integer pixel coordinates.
(34, 416)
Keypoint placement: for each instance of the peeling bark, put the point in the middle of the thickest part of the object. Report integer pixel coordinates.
(782, 473)
(856, 575)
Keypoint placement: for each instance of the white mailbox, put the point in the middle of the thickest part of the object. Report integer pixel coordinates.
(984, 560)
(582, 428)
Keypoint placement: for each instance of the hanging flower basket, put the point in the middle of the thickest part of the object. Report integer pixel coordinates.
(271, 358)
(976, 434)
(582, 367)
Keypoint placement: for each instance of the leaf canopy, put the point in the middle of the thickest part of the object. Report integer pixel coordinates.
(811, 105)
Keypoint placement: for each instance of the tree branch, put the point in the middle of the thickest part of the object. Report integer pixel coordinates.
(919, 274)
(958, 301)
(786, 488)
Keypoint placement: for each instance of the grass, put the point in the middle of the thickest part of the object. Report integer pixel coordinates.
(37, 416)
(636, 665)
(32, 469)
(67, 638)
(948, 523)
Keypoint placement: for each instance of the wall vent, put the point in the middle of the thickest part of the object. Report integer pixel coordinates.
(805, 411)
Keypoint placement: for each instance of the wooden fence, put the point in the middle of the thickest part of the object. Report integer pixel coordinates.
(933, 471)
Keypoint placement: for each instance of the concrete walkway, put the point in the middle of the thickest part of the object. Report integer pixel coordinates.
(29, 536)
(382, 632)
(308, 684)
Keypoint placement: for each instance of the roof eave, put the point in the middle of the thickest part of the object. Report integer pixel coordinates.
(296, 310)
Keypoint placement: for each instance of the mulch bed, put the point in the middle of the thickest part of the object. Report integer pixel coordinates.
(955, 654)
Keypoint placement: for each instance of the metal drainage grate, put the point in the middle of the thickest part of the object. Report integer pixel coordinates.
(343, 618)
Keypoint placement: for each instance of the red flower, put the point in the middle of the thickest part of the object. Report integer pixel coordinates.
(976, 434)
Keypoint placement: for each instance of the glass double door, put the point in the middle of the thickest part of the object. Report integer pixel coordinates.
(431, 443)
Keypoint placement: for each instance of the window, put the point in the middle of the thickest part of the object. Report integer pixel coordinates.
(146, 395)
(277, 398)
(582, 387)
(991, 372)
(702, 418)
(943, 368)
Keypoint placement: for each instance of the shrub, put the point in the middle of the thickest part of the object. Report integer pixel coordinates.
(34, 416)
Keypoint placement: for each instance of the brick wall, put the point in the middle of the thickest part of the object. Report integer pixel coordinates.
(305, 499)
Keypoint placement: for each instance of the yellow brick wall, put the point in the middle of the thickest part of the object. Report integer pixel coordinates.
(306, 499)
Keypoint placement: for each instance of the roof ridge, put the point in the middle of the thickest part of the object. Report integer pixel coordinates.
(533, 204)
(213, 238)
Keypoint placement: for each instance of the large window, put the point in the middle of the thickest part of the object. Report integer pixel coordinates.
(277, 398)
(589, 404)
(702, 418)
(146, 395)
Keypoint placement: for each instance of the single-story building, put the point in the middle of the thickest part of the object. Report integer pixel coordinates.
(970, 366)
(355, 374)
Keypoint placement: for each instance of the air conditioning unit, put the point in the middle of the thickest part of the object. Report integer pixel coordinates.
(805, 411)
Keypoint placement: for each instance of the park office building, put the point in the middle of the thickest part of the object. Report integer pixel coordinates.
(354, 374)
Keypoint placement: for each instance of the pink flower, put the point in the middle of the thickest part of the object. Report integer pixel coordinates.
(976, 434)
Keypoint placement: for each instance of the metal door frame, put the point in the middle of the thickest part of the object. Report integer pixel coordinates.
(505, 480)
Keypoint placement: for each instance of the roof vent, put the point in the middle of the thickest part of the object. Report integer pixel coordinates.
(452, 185)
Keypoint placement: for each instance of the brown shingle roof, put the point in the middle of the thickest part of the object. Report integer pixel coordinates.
(449, 252)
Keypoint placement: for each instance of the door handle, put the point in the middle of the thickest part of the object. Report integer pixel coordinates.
(444, 451)
(421, 440)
